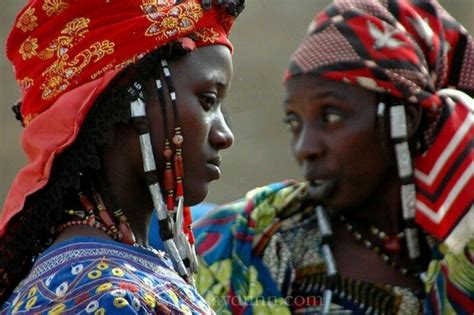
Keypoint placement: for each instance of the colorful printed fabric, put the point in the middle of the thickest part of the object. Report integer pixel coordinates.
(65, 53)
(413, 50)
(92, 276)
(235, 279)
(450, 283)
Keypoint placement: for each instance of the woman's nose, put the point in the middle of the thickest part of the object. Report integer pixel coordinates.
(221, 136)
(308, 145)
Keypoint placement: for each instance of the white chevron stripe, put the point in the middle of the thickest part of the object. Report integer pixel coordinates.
(436, 217)
(444, 156)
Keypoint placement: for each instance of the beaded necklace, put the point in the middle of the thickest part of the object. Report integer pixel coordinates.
(389, 245)
(99, 217)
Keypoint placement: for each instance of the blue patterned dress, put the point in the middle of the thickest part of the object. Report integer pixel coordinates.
(95, 276)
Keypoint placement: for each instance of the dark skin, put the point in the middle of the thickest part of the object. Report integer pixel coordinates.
(201, 80)
(339, 148)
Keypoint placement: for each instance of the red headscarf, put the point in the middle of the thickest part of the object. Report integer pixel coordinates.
(66, 52)
(411, 50)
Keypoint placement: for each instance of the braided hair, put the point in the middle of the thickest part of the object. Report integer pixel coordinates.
(31, 231)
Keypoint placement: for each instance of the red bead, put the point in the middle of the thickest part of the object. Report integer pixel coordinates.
(169, 179)
(167, 153)
(127, 234)
(179, 188)
(187, 216)
(86, 203)
(170, 203)
(191, 237)
(106, 218)
(178, 165)
(392, 244)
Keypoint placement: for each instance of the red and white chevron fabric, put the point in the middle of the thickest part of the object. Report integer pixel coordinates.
(444, 175)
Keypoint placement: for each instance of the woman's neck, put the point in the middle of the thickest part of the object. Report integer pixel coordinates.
(382, 212)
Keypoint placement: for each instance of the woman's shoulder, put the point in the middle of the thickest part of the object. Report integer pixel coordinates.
(94, 275)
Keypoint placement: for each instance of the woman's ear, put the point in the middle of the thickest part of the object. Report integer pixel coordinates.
(413, 113)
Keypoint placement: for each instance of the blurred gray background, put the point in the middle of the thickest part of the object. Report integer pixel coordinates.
(264, 37)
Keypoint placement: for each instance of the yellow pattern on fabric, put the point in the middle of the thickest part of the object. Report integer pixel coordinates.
(207, 35)
(58, 309)
(179, 19)
(54, 6)
(25, 83)
(28, 20)
(60, 74)
(73, 32)
(28, 48)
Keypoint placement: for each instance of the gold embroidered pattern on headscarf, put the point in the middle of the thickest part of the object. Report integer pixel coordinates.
(28, 48)
(178, 19)
(28, 20)
(54, 6)
(207, 35)
(60, 74)
(73, 32)
(25, 83)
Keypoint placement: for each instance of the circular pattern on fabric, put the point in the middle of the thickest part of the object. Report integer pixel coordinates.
(62, 289)
(118, 272)
(31, 302)
(58, 309)
(92, 306)
(136, 304)
(77, 269)
(173, 297)
(120, 302)
(32, 292)
(118, 293)
(100, 311)
(94, 274)
(102, 265)
(104, 287)
(49, 279)
(150, 300)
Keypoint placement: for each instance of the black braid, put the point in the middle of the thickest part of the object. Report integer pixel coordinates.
(29, 232)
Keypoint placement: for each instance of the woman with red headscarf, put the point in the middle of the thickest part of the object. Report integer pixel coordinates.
(378, 102)
(119, 99)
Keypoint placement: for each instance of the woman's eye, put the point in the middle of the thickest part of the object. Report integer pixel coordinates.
(208, 100)
(332, 118)
(292, 123)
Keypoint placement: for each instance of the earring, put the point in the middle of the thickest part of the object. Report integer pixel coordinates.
(138, 116)
(399, 135)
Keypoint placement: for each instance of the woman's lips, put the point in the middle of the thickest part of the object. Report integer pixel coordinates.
(213, 167)
(321, 189)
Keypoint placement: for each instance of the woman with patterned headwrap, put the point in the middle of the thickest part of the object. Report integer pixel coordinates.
(118, 99)
(378, 102)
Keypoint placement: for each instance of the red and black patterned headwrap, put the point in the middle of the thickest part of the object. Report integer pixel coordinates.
(413, 50)
(66, 52)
